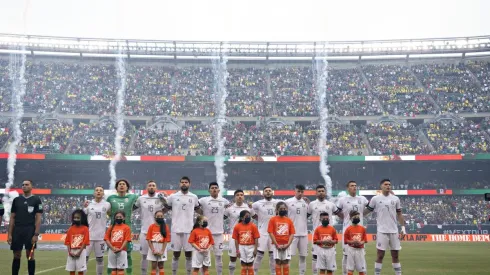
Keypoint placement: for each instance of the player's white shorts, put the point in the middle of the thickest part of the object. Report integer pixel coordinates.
(282, 255)
(300, 243)
(158, 247)
(326, 258)
(200, 259)
(118, 260)
(77, 264)
(356, 259)
(387, 241)
(265, 243)
(98, 247)
(180, 241)
(232, 247)
(143, 244)
(247, 253)
(218, 244)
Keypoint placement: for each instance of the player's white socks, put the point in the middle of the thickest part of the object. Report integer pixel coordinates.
(313, 267)
(377, 268)
(232, 267)
(258, 262)
(218, 259)
(175, 265)
(302, 265)
(344, 264)
(99, 265)
(188, 265)
(398, 268)
(144, 265)
(272, 263)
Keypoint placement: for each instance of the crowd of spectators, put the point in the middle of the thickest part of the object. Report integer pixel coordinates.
(395, 139)
(47, 136)
(481, 70)
(342, 139)
(453, 87)
(4, 131)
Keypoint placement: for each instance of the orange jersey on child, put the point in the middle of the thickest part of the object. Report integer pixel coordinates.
(77, 236)
(355, 233)
(245, 234)
(201, 237)
(154, 234)
(281, 228)
(325, 233)
(120, 233)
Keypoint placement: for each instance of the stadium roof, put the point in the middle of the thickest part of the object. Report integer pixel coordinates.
(475, 45)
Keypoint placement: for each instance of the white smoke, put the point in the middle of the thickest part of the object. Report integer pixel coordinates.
(17, 69)
(220, 94)
(121, 76)
(321, 70)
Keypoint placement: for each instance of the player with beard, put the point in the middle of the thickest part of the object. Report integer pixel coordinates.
(351, 202)
(232, 214)
(97, 211)
(315, 209)
(148, 205)
(265, 209)
(213, 208)
(297, 212)
(183, 205)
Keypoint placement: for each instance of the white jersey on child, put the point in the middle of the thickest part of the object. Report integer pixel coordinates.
(182, 211)
(148, 205)
(349, 203)
(265, 210)
(233, 214)
(214, 210)
(97, 219)
(298, 213)
(316, 207)
(386, 208)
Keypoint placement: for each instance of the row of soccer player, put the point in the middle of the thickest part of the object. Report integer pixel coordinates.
(184, 205)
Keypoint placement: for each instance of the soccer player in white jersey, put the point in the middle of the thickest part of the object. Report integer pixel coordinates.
(298, 213)
(213, 208)
(232, 215)
(147, 204)
(265, 209)
(97, 211)
(183, 204)
(315, 209)
(387, 208)
(351, 202)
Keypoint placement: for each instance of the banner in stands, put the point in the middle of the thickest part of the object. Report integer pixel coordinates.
(254, 158)
(371, 237)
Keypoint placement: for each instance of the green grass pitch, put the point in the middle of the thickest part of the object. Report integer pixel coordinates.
(416, 258)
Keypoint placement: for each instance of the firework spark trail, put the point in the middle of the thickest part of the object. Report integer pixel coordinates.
(321, 88)
(17, 69)
(220, 94)
(121, 75)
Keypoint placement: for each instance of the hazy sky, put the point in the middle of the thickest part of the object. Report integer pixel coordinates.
(259, 20)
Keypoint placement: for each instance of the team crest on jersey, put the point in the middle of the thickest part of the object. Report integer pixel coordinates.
(282, 229)
(76, 240)
(126, 199)
(117, 236)
(157, 237)
(203, 241)
(392, 202)
(245, 236)
(359, 201)
(220, 204)
(190, 200)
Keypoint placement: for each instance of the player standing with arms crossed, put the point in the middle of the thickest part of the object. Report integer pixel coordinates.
(265, 209)
(351, 202)
(298, 213)
(183, 204)
(97, 211)
(388, 210)
(315, 209)
(25, 224)
(147, 205)
(213, 208)
(232, 215)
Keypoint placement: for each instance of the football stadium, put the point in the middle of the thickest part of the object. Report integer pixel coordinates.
(218, 136)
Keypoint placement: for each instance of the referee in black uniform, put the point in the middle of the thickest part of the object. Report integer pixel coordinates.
(25, 223)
